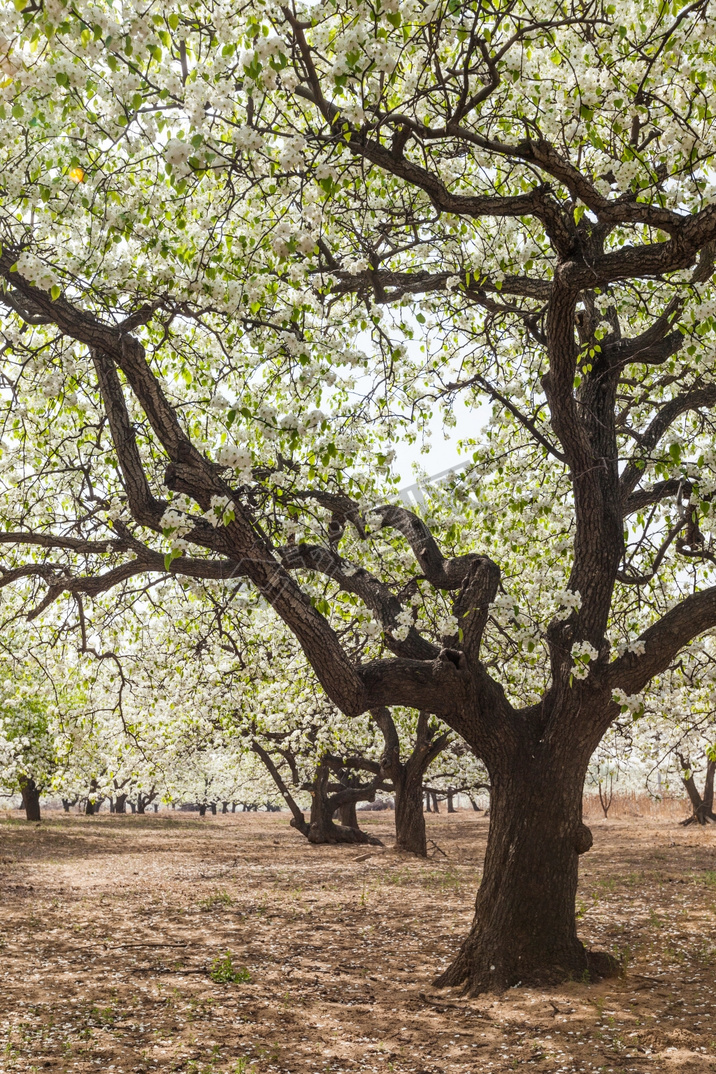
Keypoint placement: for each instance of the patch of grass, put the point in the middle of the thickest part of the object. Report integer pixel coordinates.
(223, 970)
(219, 898)
(244, 1065)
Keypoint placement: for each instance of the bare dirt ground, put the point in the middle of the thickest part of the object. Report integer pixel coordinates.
(110, 927)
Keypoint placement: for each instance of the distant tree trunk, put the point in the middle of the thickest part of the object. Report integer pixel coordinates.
(348, 815)
(321, 827)
(703, 807)
(67, 803)
(473, 803)
(436, 805)
(155, 807)
(409, 817)
(202, 809)
(233, 807)
(407, 777)
(90, 809)
(450, 802)
(120, 805)
(111, 804)
(132, 806)
(30, 798)
(224, 807)
(428, 807)
(606, 794)
(213, 808)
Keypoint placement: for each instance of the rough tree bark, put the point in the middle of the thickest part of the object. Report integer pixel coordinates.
(703, 807)
(524, 927)
(30, 798)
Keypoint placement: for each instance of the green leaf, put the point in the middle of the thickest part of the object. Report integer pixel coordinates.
(55, 291)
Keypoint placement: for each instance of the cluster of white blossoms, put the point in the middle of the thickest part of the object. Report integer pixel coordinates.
(447, 626)
(52, 384)
(404, 621)
(636, 646)
(36, 271)
(220, 511)
(569, 600)
(582, 655)
(177, 152)
(175, 523)
(238, 458)
(633, 703)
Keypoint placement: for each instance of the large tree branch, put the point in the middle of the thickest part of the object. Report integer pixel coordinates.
(72, 544)
(442, 573)
(441, 686)
(692, 400)
(661, 490)
(378, 282)
(662, 641)
(652, 347)
(375, 594)
(189, 471)
(472, 605)
(299, 821)
(145, 508)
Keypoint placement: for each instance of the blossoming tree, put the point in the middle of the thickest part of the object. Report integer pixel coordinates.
(217, 221)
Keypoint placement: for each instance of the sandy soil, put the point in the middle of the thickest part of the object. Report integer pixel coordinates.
(111, 925)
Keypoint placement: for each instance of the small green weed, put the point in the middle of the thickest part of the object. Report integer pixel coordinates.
(219, 898)
(244, 1065)
(223, 970)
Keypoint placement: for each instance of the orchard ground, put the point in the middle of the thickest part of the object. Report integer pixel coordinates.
(111, 926)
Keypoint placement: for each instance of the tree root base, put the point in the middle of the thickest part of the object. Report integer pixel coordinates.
(339, 833)
(473, 980)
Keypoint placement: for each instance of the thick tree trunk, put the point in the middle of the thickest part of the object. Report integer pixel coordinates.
(213, 808)
(30, 799)
(202, 810)
(409, 817)
(451, 802)
(120, 805)
(524, 929)
(224, 807)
